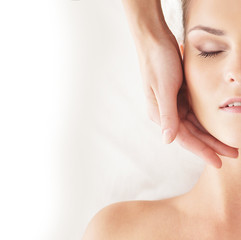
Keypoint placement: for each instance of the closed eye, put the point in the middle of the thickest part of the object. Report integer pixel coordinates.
(209, 54)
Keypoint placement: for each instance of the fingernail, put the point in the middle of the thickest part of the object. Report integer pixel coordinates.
(167, 136)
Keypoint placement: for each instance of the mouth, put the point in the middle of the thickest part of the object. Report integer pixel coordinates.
(232, 109)
(232, 105)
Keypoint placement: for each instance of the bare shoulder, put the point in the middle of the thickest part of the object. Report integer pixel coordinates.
(115, 221)
(132, 220)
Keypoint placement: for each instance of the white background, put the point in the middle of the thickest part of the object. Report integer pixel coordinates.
(74, 131)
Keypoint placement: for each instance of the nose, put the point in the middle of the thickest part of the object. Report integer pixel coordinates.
(233, 73)
(233, 78)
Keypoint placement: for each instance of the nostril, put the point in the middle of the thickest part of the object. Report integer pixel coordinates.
(233, 78)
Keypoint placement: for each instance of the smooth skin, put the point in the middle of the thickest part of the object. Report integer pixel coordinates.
(212, 209)
(162, 73)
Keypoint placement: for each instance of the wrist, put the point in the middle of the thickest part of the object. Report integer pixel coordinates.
(146, 20)
(149, 40)
(151, 33)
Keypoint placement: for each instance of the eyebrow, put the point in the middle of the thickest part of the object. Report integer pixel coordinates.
(213, 31)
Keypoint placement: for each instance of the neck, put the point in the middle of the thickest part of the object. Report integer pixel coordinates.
(217, 194)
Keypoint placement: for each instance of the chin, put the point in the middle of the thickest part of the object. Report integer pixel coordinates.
(232, 141)
(224, 128)
(228, 135)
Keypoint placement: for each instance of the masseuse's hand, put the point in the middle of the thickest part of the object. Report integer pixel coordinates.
(162, 73)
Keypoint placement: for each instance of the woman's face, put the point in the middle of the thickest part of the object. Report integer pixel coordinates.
(212, 79)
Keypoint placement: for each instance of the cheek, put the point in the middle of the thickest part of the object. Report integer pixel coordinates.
(206, 89)
(202, 91)
(201, 86)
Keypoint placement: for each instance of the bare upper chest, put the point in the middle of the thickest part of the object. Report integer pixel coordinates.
(166, 222)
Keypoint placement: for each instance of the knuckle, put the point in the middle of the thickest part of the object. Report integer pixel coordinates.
(204, 149)
(182, 139)
(154, 119)
(165, 119)
(153, 114)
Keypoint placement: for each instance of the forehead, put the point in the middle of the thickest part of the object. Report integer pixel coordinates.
(220, 14)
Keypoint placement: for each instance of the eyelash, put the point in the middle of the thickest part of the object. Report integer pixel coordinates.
(209, 54)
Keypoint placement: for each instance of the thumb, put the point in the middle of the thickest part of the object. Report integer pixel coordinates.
(167, 105)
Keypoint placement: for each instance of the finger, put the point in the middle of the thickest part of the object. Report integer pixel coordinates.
(152, 106)
(153, 112)
(211, 141)
(196, 146)
(167, 105)
(192, 118)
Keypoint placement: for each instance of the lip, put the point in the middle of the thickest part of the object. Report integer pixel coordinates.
(229, 101)
(232, 109)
